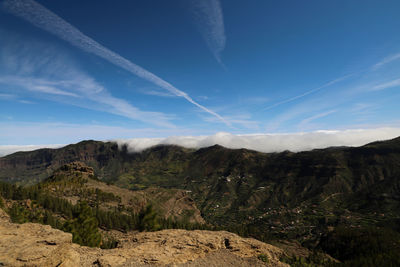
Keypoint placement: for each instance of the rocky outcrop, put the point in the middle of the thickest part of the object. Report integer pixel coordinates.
(75, 168)
(181, 246)
(33, 244)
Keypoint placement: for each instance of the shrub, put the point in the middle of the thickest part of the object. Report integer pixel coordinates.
(263, 258)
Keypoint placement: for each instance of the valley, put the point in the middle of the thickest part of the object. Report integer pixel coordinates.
(306, 200)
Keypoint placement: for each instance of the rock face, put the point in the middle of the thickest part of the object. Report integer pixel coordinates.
(75, 168)
(33, 244)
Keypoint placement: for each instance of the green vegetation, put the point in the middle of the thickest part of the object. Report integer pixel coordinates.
(263, 258)
(363, 247)
(19, 214)
(82, 220)
(315, 259)
(108, 242)
(310, 197)
(84, 227)
(371, 246)
(148, 220)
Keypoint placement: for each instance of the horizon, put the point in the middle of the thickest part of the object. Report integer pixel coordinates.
(265, 143)
(188, 71)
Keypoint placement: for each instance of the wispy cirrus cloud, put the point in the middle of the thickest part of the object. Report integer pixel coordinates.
(155, 92)
(370, 69)
(45, 19)
(386, 85)
(26, 102)
(14, 97)
(209, 20)
(29, 67)
(35, 85)
(330, 83)
(386, 60)
(7, 96)
(305, 122)
(360, 87)
(90, 92)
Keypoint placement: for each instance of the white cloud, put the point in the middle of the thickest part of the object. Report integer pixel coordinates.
(44, 71)
(19, 133)
(210, 22)
(156, 92)
(50, 90)
(307, 121)
(26, 102)
(35, 85)
(368, 70)
(270, 142)
(309, 92)
(260, 142)
(386, 60)
(44, 19)
(7, 96)
(386, 85)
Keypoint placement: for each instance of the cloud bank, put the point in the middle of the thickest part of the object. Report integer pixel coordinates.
(260, 142)
(269, 142)
(210, 22)
(44, 19)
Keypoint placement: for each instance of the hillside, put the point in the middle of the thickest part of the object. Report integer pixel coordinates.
(241, 182)
(76, 181)
(105, 216)
(307, 197)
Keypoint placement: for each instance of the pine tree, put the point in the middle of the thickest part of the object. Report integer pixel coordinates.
(148, 220)
(18, 214)
(49, 219)
(84, 227)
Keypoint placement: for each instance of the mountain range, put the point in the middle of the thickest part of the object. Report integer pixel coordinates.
(300, 196)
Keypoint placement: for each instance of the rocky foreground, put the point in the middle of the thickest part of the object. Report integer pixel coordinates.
(33, 244)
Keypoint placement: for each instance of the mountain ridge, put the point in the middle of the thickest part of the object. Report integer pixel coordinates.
(301, 196)
(232, 179)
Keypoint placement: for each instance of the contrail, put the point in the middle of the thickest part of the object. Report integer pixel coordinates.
(366, 70)
(309, 92)
(44, 19)
(210, 22)
(386, 60)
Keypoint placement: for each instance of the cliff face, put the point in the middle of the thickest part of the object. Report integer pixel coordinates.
(338, 169)
(34, 166)
(39, 245)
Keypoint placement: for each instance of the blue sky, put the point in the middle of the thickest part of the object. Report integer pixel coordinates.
(74, 70)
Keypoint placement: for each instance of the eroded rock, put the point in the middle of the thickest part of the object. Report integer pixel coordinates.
(34, 244)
